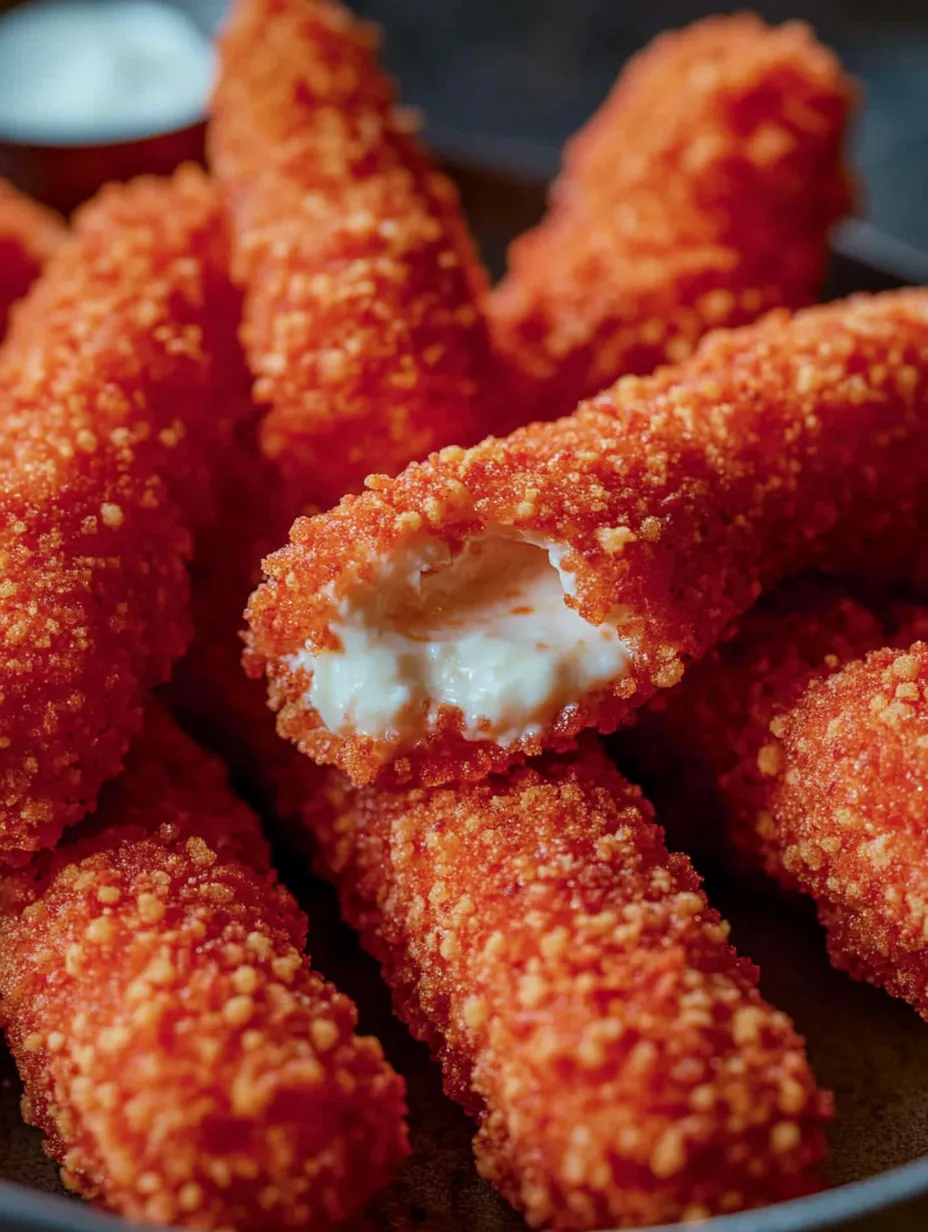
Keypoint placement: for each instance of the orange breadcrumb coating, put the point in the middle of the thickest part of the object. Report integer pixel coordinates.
(119, 381)
(680, 497)
(186, 1064)
(719, 719)
(215, 701)
(29, 234)
(819, 760)
(700, 194)
(580, 994)
(848, 775)
(361, 322)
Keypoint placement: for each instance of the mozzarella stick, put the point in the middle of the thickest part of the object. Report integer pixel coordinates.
(817, 754)
(700, 194)
(579, 992)
(361, 319)
(489, 603)
(186, 1065)
(29, 234)
(361, 323)
(717, 724)
(847, 771)
(120, 381)
(212, 697)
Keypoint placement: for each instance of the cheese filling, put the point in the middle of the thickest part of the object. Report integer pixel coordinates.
(487, 631)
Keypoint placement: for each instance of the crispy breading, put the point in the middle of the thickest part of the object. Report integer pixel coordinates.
(120, 383)
(579, 992)
(361, 319)
(673, 500)
(700, 194)
(186, 1065)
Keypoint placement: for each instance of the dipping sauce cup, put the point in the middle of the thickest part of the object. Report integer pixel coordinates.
(98, 90)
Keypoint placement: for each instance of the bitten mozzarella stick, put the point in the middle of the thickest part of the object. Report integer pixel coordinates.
(580, 994)
(361, 322)
(700, 194)
(819, 754)
(29, 234)
(490, 603)
(120, 382)
(185, 1063)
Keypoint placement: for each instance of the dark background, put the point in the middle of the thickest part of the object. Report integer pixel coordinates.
(505, 81)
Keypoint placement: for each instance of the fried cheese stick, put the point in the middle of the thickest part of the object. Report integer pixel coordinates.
(186, 1065)
(506, 597)
(817, 745)
(361, 283)
(579, 992)
(120, 382)
(700, 194)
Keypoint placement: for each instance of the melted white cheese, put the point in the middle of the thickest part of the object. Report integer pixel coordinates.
(487, 632)
(90, 71)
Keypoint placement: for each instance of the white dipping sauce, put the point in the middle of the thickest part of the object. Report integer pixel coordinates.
(95, 71)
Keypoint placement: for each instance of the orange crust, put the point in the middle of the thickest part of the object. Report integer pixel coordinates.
(700, 194)
(847, 798)
(221, 707)
(29, 235)
(120, 381)
(720, 718)
(361, 322)
(186, 1064)
(820, 764)
(579, 993)
(681, 497)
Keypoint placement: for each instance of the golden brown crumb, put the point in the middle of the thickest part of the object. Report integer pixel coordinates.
(186, 1064)
(700, 194)
(579, 993)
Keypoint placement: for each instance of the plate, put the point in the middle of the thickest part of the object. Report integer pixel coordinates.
(872, 1051)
